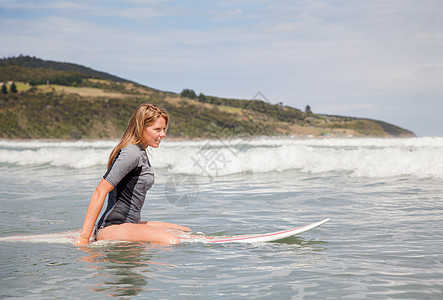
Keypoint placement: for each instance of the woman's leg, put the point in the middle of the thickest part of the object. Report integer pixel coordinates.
(166, 226)
(137, 232)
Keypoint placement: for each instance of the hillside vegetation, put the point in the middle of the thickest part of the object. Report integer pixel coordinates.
(66, 101)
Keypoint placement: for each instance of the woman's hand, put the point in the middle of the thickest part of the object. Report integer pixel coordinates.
(95, 205)
(81, 241)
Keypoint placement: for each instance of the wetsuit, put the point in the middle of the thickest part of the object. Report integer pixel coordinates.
(132, 176)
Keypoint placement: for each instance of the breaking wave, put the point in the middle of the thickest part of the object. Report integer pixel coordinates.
(370, 157)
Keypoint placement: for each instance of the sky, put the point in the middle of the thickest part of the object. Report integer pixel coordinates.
(378, 59)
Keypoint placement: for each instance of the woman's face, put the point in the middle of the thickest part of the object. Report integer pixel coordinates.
(153, 134)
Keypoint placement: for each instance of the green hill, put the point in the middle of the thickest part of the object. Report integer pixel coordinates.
(38, 68)
(62, 100)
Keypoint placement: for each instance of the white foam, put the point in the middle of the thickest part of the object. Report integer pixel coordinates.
(78, 154)
(422, 157)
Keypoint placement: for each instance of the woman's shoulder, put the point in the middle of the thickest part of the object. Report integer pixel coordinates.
(132, 149)
(131, 155)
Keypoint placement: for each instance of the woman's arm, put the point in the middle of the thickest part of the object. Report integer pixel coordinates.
(94, 208)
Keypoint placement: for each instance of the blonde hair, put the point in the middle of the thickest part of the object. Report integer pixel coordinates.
(144, 116)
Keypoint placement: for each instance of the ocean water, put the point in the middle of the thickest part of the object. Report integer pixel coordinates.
(383, 196)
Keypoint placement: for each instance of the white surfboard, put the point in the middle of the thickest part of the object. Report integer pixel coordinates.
(254, 238)
(70, 236)
(58, 238)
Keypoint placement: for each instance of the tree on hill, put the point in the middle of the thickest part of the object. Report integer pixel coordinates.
(188, 93)
(13, 88)
(202, 97)
(4, 89)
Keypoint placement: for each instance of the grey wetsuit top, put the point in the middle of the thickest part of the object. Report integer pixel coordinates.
(132, 176)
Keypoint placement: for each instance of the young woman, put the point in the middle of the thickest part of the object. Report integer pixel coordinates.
(126, 182)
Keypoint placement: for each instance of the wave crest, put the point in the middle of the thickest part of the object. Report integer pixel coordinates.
(421, 157)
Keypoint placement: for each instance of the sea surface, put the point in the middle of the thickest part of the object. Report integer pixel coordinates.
(384, 240)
